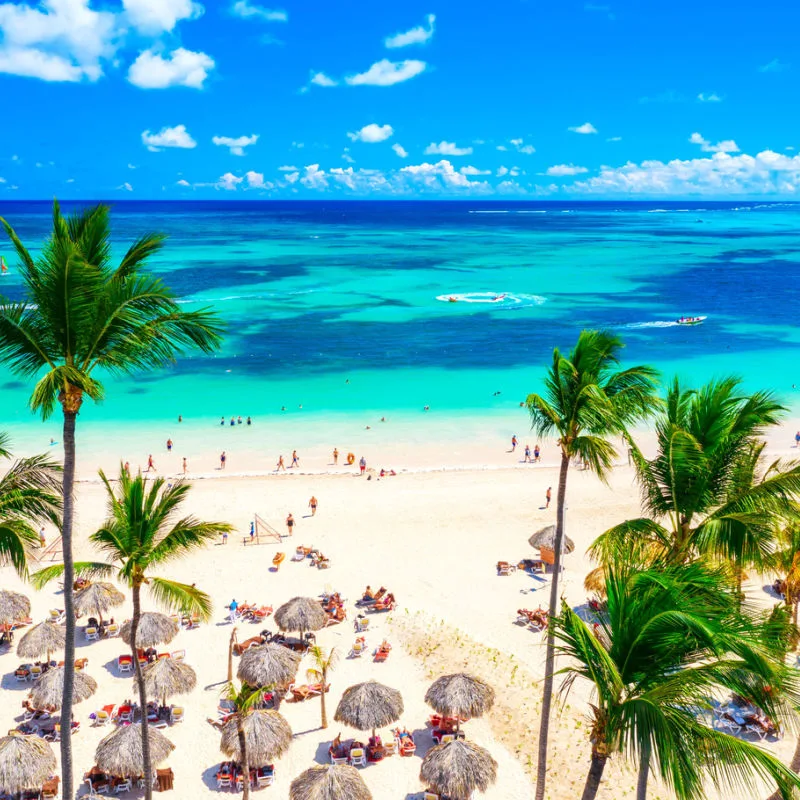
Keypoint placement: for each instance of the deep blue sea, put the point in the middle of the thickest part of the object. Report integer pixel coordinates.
(344, 307)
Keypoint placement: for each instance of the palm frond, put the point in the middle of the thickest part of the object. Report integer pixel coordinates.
(176, 596)
(139, 253)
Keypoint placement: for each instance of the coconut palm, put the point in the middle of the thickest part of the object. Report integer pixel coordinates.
(82, 315)
(30, 494)
(786, 561)
(672, 638)
(707, 491)
(142, 533)
(322, 664)
(587, 400)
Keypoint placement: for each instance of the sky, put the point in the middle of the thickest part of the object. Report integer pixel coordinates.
(175, 99)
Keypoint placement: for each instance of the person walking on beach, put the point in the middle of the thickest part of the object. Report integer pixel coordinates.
(527, 454)
(252, 531)
(42, 537)
(239, 420)
(222, 420)
(312, 504)
(335, 456)
(295, 459)
(363, 464)
(536, 453)
(184, 466)
(150, 464)
(224, 537)
(290, 523)
(797, 439)
(280, 465)
(232, 608)
(513, 442)
(222, 459)
(127, 468)
(169, 445)
(548, 496)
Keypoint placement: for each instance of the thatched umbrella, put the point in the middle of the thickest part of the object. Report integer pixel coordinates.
(336, 782)
(460, 695)
(458, 769)
(97, 598)
(301, 614)
(41, 640)
(167, 677)
(13, 607)
(48, 691)
(154, 628)
(26, 762)
(595, 581)
(268, 665)
(120, 753)
(369, 705)
(546, 538)
(267, 736)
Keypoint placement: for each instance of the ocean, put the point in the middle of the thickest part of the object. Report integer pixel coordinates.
(339, 313)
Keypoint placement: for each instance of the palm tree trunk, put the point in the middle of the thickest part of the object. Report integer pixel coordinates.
(137, 612)
(67, 488)
(324, 722)
(594, 777)
(230, 655)
(245, 758)
(550, 657)
(644, 774)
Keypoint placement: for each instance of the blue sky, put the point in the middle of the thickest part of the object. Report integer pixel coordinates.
(526, 98)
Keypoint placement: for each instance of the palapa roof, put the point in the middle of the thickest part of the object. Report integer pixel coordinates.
(168, 677)
(120, 753)
(458, 769)
(42, 639)
(48, 691)
(546, 538)
(267, 734)
(460, 695)
(13, 607)
(301, 614)
(268, 665)
(369, 705)
(26, 762)
(334, 782)
(97, 598)
(154, 628)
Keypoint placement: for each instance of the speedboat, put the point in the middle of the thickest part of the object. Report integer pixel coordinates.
(691, 320)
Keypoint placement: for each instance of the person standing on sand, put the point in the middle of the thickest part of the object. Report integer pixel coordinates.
(335, 456)
(797, 439)
(290, 523)
(513, 442)
(548, 496)
(312, 504)
(127, 468)
(363, 464)
(42, 538)
(222, 421)
(280, 465)
(536, 452)
(150, 464)
(224, 537)
(222, 459)
(295, 459)
(252, 531)
(184, 466)
(527, 454)
(169, 445)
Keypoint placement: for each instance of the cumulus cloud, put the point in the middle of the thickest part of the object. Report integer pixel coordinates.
(248, 10)
(321, 79)
(237, 145)
(725, 146)
(180, 68)
(502, 171)
(517, 144)
(447, 149)
(400, 150)
(372, 133)
(474, 171)
(709, 98)
(586, 128)
(292, 177)
(286, 168)
(314, 177)
(441, 175)
(348, 158)
(125, 187)
(168, 137)
(159, 16)
(255, 180)
(229, 181)
(776, 65)
(419, 35)
(183, 182)
(387, 73)
(561, 170)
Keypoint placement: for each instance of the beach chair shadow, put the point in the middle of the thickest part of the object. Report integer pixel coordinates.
(321, 755)
(112, 669)
(210, 776)
(423, 740)
(10, 682)
(770, 590)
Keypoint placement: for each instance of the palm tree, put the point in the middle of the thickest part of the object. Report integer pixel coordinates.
(30, 494)
(587, 399)
(707, 491)
(318, 673)
(786, 561)
(673, 637)
(245, 700)
(142, 533)
(82, 316)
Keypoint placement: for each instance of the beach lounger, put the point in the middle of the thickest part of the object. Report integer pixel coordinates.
(178, 655)
(22, 674)
(504, 568)
(57, 615)
(338, 759)
(176, 714)
(36, 672)
(50, 788)
(265, 776)
(430, 796)
(358, 758)
(125, 714)
(125, 664)
(361, 624)
(122, 785)
(224, 781)
(390, 748)
(101, 786)
(112, 630)
(382, 653)
(358, 649)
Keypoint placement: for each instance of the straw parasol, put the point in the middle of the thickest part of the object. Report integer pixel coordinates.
(167, 677)
(546, 538)
(337, 782)
(48, 691)
(26, 762)
(458, 769)
(369, 705)
(120, 753)
(154, 628)
(268, 665)
(266, 733)
(97, 598)
(301, 614)
(42, 640)
(595, 581)
(13, 607)
(460, 695)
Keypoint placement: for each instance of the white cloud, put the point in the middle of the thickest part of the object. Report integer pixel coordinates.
(501, 171)
(236, 145)
(125, 187)
(474, 171)
(419, 35)
(321, 79)
(372, 133)
(168, 137)
(292, 177)
(348, 158)
(229, 181)
(447, 149)
(159, 16)
(298, 145)
(387, 73)
(560, 170)
(183, 182)
(131, 166)
(247, 10)
(314, 177)
(69, 180)
(400, 150)
(502, 148)
(517, 144)
(776, 65)
(614, 139)
(181, 68)
(255, 180)
(586, 128)
(441, 175)
(709, 98)
(725, 146)
(287, 169)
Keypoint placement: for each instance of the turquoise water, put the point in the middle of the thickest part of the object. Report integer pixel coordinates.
(343, 307)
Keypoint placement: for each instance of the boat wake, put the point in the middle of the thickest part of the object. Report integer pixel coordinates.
(503, 299)
(655, 324)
